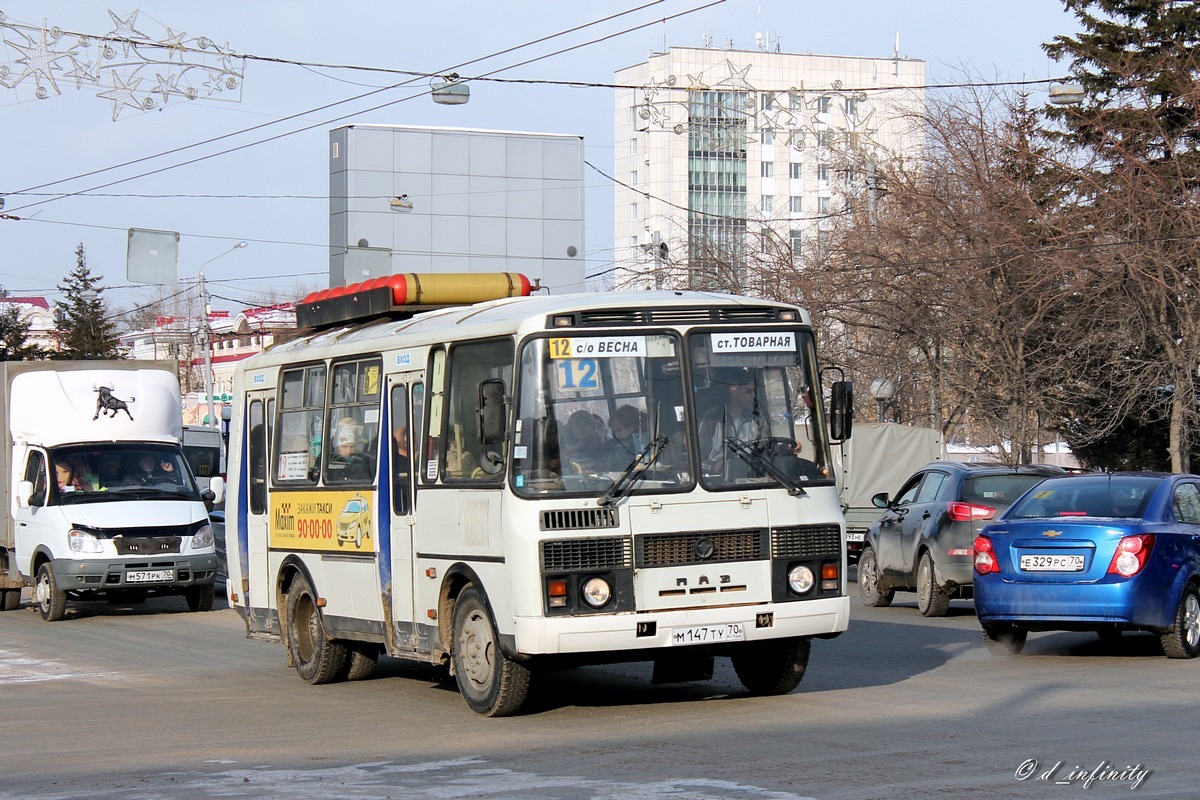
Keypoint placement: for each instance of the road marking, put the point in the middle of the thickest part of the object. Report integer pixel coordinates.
(18, 668)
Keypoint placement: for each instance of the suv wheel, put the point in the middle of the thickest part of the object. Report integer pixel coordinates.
(932, 601)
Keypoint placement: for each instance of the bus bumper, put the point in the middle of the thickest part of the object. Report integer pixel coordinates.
(661, 629)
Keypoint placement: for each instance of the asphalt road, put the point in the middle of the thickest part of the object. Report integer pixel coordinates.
(151, 701)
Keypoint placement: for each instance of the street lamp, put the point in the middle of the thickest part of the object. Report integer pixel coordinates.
(882, 390)
(206, 330)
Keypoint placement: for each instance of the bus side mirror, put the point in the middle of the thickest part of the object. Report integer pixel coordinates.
(216, 485)
(841, 410)
(491, 411)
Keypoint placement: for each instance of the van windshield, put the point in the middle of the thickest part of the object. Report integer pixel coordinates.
(114, 471)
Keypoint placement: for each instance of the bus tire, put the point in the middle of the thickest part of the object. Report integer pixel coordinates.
(360, 660)
(317, 658)
(199, 598)
(772, 667)
(492, 684)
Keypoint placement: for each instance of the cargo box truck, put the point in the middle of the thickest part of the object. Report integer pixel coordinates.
(99, 501)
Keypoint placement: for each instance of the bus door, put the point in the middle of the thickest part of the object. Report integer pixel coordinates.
(406, 396)
(254, 503)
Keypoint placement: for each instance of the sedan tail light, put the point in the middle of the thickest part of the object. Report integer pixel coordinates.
(985, 556)
(1132, 554)
(969, 512)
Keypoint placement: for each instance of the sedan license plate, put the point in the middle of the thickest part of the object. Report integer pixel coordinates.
(1052, 563)
(150, 576)
(709, 634)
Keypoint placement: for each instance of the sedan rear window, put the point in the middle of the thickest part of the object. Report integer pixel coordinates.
(1101, 496)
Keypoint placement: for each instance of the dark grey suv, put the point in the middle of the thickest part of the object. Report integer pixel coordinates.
(923, 540)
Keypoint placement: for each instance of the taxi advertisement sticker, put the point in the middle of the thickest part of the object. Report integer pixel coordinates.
(330, 521)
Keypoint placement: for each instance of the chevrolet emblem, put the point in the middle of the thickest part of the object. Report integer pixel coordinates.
(1052, 533)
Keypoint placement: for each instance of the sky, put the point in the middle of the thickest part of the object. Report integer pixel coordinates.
(271, 189)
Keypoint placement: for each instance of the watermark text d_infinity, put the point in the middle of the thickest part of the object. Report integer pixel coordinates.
(1104, 772)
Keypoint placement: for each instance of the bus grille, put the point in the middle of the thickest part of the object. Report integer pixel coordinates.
(673, 549)
(579, 519)
(804, 541)
(572, 555)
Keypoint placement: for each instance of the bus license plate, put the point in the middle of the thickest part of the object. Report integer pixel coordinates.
(150, 576)
(1052, 563)
(709, 634)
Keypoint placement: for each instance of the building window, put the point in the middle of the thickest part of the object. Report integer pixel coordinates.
(794, 241)
(633, 178)
(823, 104)
(768, 169)
(823, 173)
(822, 205)
(633, 147)
(794, 170)
(796, 205)
(633, 211)
(768, 136)
(851, 107)
(767, 204)
(768, 101)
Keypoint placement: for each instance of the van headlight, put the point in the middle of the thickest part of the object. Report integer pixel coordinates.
(203, 538)
(83, 542)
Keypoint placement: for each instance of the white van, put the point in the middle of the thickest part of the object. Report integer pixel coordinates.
(100, 501)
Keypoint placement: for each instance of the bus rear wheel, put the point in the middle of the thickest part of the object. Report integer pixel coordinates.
(772, 667)
(317, 658)
(492, 684)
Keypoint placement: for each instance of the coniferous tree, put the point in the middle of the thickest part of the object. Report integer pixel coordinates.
(1138, 132)
(83, 322)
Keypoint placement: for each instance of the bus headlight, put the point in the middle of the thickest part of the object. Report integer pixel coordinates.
(800, 579)
(203, 538)
(597, 592)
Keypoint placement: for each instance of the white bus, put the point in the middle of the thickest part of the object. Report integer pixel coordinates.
(534, 481)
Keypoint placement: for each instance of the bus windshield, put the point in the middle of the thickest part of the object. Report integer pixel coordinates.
(758, 418)
(599, 409)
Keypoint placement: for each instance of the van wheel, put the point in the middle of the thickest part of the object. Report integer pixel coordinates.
(318, 659)
(51, 601)
(200, 598)
(772, 667)
(868, 581)
(931, 600)
(1183, 640)
(11, 600)
(491, 683)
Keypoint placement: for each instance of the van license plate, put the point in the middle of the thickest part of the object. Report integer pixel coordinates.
(709, 634)
(150, 576)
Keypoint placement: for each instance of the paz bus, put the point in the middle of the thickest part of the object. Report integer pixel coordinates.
(461, 470)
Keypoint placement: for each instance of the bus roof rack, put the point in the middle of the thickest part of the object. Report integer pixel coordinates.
(403, 295)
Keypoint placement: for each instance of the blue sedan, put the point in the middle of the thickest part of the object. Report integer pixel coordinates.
(1098, 552)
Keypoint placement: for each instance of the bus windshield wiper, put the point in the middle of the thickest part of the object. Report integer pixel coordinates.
(755, 458)
(641, 462)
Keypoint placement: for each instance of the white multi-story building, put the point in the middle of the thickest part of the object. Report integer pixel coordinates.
(722, 150)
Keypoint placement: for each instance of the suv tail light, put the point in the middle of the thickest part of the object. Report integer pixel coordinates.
(1132, 553)
(985, 556)
(969, 512)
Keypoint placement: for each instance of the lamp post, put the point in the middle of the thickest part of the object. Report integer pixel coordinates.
(882, 390)
(206, 331)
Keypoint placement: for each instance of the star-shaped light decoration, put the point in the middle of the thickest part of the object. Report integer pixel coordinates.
(82, 71)
(40, 60)
(124, 29)
(122, 95)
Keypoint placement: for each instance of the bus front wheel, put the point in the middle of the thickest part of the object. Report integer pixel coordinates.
(492, 684)
(317, 658)
(772, 667)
